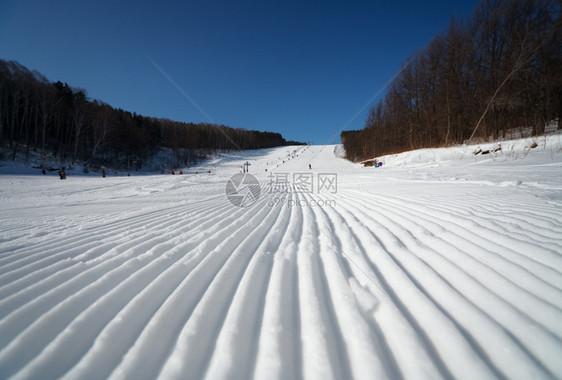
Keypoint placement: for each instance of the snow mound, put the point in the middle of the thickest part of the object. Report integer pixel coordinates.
(544, 148)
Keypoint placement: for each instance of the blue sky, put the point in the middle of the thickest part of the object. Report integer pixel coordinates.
(301, 68)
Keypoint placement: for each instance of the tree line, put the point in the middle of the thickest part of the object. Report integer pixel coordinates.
(501, 69)
(52, 118)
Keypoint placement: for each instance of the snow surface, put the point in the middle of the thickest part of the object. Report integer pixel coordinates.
(439, 264)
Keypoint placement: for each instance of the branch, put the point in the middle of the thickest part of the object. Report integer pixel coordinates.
(515, 69)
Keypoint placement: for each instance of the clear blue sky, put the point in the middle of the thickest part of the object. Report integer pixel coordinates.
(301, 68)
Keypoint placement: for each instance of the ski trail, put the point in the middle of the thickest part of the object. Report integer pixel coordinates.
(84, 275)
(214, 253)
(498, 259)
(279, 353)
(320, 335)
(405, 272)
(237, 343)
(417, 354)
(420, 310)
(208, 317)
(546, 263)
(477, 317)
(353, 330)
(380, 358)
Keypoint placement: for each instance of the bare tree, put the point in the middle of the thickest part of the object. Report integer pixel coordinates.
(47, 101)
(79, 115)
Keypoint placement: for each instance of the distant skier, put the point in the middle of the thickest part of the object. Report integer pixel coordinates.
(181, 172)
(172, 172)
(103, 172)
(310, 166)
(62, 173)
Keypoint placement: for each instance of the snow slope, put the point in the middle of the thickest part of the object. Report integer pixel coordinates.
(439, 266)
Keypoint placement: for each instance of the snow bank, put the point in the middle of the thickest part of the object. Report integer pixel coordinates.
(543, 148)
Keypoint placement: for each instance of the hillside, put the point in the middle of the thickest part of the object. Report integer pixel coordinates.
(439, 264)
(480, 78)
(62, 124)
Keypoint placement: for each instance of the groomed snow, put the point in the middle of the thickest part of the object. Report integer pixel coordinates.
(439, 264)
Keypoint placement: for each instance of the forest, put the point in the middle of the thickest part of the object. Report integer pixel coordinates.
(499, 70)
(61, 122)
